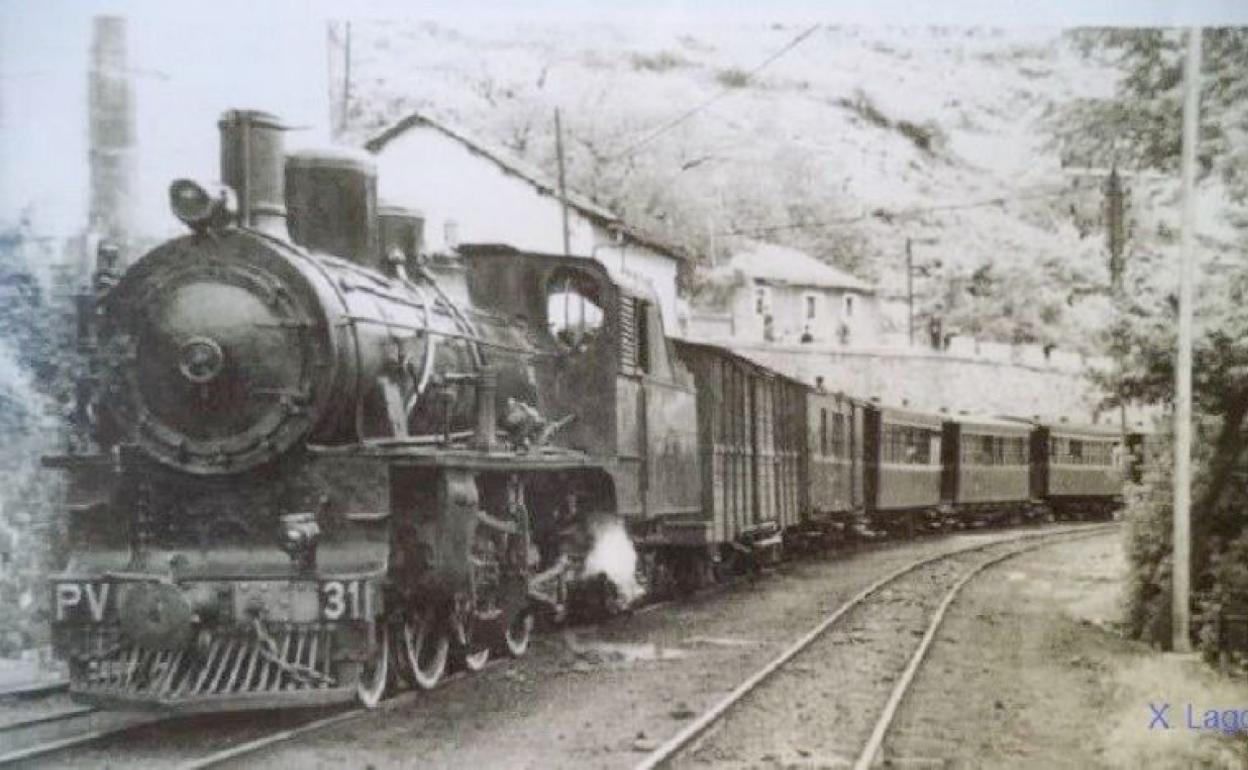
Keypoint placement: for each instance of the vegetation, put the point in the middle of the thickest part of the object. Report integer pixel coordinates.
(1145, 116)
(36, 383)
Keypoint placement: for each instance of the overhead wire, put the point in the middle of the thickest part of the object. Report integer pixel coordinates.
(689, 113)
(887, 215)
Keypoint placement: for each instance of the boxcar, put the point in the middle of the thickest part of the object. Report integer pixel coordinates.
(987, 468)
(902, 469)
(752, 452)
(1077, 469)
(834, 429)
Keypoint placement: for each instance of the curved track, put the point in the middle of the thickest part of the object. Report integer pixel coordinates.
(904, 604)
(200, 742)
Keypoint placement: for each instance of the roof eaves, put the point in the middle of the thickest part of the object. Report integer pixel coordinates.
(575, 200)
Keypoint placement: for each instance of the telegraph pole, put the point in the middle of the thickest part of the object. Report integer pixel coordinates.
(346, 77)
(563, 186)
(1115, 228)
(1116, 238)
(910, 288)
(338, 55)
(1182, 560)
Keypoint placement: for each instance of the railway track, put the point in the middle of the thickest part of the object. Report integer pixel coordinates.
(41, 721)
(873, 670)
(210, 741)
(36, 689)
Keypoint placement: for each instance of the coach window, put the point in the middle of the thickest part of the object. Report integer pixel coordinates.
(573, 310)
(985, 450)
(838, 435)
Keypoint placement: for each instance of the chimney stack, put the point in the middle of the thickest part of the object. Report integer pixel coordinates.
(110, 116)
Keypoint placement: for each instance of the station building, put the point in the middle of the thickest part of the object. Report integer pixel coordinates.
(470, 191)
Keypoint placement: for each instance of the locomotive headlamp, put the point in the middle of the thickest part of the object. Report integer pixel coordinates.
(201, 206)
(300, 534)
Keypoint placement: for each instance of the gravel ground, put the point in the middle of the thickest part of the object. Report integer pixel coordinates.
(1048, 683)
(592, 697)
(820, 708)
(601, 697)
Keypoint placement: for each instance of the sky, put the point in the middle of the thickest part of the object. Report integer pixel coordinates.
(191, 62)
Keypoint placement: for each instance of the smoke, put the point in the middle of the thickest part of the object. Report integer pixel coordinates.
(614, 557)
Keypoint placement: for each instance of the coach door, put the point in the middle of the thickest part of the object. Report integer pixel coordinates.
(764, 411)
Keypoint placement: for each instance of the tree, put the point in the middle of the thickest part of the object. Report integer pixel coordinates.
(1141, 127)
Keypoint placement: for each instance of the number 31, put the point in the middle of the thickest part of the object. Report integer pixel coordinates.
(341, 599)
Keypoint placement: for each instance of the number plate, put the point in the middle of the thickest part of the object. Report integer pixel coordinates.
(84, 601)
(344, 600)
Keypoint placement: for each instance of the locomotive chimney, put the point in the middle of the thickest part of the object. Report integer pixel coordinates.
(252, 156)
(333, 203)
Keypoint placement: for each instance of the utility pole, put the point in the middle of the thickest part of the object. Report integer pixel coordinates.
(1115, 228)
(924, 270)
(338, 50)
(1115, 241)
(346, 78)
(563, 186)
(1182, 560)
(910, 288)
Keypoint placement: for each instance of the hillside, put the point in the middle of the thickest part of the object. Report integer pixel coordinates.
(847, 145)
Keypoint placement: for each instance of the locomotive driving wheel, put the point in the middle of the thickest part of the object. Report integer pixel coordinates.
(375, 675)
(423, 649)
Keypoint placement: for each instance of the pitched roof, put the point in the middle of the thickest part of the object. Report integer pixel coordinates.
(781, 265)
(525, 171)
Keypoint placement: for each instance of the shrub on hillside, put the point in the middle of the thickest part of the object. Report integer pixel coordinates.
(1220, 589)
(732, 78)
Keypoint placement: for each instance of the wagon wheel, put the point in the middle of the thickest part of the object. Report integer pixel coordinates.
(423, 650)
(376, 672)
(518, 633)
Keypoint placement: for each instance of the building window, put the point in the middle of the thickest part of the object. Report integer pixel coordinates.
(848, 305)
(811, 302)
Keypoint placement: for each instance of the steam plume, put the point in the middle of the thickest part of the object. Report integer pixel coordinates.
(614, 556)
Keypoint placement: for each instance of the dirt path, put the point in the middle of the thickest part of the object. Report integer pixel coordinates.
(601, 699)
(1028, 673)
(1025, 675)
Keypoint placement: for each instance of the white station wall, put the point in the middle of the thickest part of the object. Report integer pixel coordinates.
(425, 169)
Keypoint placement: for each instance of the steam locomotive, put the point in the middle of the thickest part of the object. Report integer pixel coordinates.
(326, 457)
